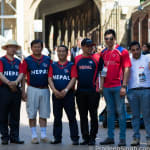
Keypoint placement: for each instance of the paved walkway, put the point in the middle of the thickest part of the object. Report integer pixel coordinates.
(66, 142)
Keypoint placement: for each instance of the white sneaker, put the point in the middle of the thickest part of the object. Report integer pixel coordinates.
(44, 140)
(35, 141)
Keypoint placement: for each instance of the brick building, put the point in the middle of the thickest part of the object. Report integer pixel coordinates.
(141, 23)
(63, 21)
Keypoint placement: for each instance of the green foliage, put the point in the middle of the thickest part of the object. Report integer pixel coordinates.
(141, 1)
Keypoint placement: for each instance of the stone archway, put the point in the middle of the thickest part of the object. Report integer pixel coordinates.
(39, 9)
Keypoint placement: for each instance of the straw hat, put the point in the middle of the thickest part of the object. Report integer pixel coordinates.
(11, 42)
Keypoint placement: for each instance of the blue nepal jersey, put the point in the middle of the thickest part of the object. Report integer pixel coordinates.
(11, 69)
(61, 74)
(37, 70)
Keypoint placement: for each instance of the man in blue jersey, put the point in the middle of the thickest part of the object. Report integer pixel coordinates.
(62, 77)
(88, 66)
(36, 68)
(10, 94)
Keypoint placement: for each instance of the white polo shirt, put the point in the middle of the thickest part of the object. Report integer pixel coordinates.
(139, 72)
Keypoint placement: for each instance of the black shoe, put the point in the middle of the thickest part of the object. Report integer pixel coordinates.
(85, 142)
(75, 142)
(122, 142)
(4, 142)
(16, 142)
(107, 141)
(135, 142)
(91, 142)
(55, 142)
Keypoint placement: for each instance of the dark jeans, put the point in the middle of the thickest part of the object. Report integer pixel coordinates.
(9, 113)
(68, 104)
(88, 101)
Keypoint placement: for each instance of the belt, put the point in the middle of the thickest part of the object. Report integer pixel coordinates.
(140, 88)
(40, 87)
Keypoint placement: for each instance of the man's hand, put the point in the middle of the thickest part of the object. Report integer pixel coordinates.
(64, 92)
(122, 91)
(12, 86)
(101, 90)
(57, 94)
(24, 96)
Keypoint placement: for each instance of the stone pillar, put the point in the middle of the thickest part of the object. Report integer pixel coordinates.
(72, 34)
(51, 37)
(66, 33)
(149, 27)
(59, 34)
(20, 22)
(143, 29)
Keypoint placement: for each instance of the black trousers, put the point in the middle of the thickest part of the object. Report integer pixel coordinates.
(68, 104)
(88, 101)
(9, 113)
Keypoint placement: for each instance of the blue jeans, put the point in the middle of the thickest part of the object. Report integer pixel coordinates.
(140, 102)
(115, 103)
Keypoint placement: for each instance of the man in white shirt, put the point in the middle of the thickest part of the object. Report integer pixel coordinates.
(139, 92)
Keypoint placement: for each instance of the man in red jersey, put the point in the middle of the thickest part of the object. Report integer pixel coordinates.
(116, 63)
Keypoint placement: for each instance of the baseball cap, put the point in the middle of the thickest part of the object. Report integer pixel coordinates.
(87, 42)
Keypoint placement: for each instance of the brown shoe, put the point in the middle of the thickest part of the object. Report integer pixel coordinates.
(35, 141)
(44, 140)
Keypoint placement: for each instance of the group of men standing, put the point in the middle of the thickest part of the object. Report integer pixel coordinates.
(113, 65)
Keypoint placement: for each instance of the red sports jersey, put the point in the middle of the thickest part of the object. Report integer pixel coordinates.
(88, 69)
(115, 61)
(62, 74)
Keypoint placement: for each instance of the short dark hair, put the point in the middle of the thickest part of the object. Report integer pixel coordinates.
(64, 46)
(110, 31)
(87, 42)
(147, 45)
(37, 41)
(134, 43)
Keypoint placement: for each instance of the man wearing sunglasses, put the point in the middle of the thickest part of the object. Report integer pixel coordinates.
(116, 68)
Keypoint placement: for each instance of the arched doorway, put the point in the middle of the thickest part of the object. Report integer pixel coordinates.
(80, 18)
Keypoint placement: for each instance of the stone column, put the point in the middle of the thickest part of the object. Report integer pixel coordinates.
(20, 22)
(149, 27)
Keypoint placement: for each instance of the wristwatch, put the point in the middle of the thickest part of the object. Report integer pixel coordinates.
(66, 90)
(124, 86)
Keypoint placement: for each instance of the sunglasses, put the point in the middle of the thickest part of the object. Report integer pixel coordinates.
(111, 38)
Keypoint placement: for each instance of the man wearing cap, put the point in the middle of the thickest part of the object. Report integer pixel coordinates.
(36, 68)
(11, 74)
(116, 66)
(88, 67)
